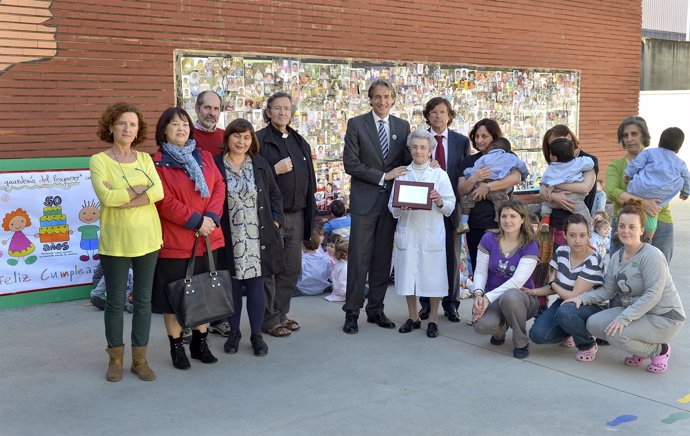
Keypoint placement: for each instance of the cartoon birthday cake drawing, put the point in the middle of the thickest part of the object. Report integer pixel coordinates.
(54, 226)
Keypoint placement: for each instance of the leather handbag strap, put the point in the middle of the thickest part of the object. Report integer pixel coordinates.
(190, 264)
(211, 263)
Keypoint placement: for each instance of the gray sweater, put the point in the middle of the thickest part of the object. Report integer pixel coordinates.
(644, 284)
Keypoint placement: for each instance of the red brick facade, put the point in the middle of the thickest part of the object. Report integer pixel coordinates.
(123, 50)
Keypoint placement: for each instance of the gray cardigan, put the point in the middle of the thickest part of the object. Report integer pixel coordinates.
(644, 284)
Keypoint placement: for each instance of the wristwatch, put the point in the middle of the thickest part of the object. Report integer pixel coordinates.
(478, 293)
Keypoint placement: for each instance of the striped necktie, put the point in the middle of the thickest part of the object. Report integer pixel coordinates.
(383, 138)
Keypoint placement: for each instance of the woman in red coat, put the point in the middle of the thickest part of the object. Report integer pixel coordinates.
(194, 194)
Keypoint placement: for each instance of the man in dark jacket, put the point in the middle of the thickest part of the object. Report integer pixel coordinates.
(289, 155)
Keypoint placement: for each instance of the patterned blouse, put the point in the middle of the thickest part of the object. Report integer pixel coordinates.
(244, 220)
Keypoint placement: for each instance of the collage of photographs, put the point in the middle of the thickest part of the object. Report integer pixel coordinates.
(326, 93)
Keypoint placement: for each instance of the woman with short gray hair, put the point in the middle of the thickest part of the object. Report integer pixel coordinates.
(420, 238)
(633, 136)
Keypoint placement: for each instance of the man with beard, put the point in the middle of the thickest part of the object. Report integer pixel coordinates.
(207, 136)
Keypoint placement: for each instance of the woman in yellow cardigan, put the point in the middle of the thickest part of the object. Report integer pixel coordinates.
(127, 185)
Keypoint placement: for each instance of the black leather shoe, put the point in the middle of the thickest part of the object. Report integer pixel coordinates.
(452, 315)
(381, 320)
(432, 330)
(409, 326)
(258, 345)
(424, 312)
(521, 353)
(495, 341)
(350, 325)
(233, 342)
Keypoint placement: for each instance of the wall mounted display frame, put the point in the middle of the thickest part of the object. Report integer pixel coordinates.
(326, 92)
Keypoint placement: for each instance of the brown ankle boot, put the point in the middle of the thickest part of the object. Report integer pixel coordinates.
(140, 365)
(114, 373)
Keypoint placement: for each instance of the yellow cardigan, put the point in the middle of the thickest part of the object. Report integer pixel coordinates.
(128, 232)
(615, 186)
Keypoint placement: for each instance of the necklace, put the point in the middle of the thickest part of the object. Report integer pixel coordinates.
(625, 255)
(507, 252)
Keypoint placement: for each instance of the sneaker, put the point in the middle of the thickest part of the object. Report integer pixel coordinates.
(220, 328)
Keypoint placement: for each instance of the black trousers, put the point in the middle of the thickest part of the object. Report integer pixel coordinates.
(370, 253)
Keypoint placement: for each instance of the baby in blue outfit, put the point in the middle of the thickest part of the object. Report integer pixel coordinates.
(564, 168)
(659, 173)
(502, 161)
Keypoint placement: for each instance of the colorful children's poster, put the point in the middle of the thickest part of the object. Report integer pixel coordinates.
(49, 229)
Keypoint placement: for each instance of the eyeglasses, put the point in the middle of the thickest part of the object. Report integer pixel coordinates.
(137, 169)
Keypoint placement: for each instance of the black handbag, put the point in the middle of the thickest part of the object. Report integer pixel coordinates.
(198, 299)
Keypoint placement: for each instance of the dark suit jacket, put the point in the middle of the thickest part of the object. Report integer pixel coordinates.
(363, 158)
(458, 150)
(269, 208)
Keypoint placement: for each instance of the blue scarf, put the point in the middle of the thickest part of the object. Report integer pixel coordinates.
(183, 155)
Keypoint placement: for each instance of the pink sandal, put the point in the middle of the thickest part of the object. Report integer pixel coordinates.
(587, 355)
(659, 363)
(634, 360)
(568, 342)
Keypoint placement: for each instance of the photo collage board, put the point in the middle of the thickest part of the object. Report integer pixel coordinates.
(327, 92)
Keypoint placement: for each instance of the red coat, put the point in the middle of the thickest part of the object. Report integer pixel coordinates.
(182, 209)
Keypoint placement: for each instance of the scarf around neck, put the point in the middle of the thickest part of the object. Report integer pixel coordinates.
(183, 155)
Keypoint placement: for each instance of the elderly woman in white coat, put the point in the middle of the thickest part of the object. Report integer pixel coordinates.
(420, 239)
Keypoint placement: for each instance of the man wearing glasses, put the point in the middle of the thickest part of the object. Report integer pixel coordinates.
(289, 155)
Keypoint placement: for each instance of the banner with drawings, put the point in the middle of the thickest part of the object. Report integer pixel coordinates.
(49, 230)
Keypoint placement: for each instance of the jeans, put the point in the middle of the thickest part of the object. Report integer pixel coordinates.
(563, 320)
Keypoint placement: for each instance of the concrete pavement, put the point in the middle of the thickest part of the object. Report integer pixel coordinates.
(322, 381)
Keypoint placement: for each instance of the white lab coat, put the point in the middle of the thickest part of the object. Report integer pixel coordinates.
(420, 238)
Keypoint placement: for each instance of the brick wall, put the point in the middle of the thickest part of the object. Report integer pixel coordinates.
(123, 50)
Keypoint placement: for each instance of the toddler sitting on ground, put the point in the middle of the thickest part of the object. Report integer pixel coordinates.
(341, 223)
(316, 268)
(339, 277)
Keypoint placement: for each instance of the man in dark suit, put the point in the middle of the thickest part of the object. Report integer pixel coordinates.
(451, 149)
(374, 155)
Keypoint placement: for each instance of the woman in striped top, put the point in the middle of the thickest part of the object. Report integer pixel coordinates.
(576, 268)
